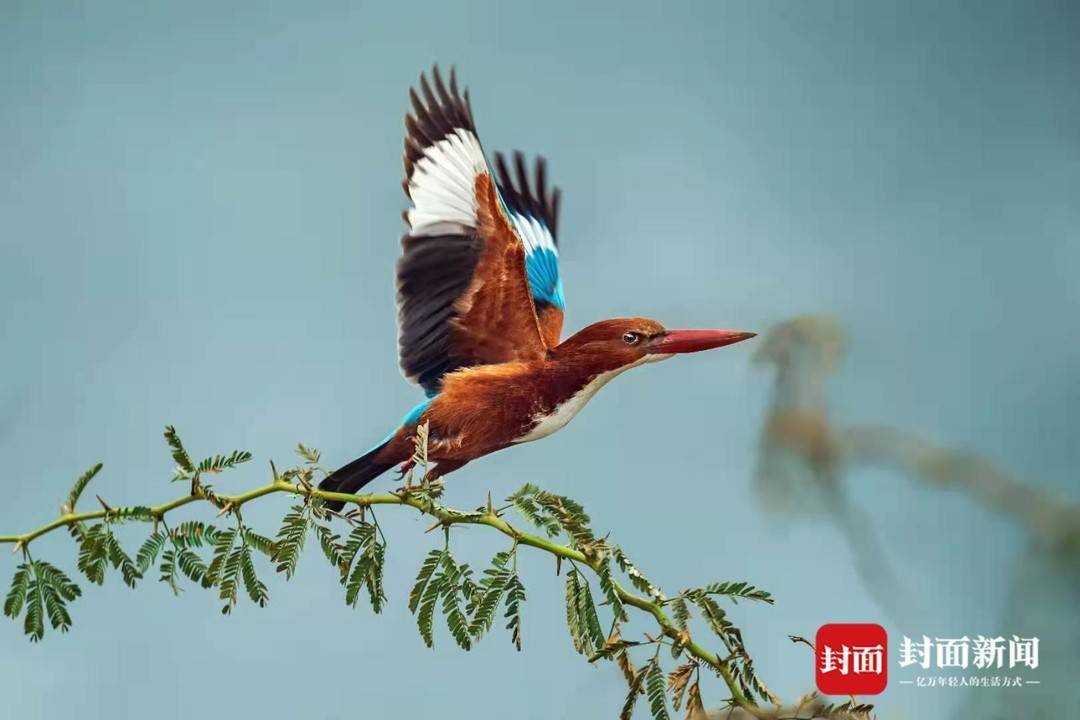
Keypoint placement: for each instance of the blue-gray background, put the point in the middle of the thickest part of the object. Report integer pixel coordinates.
(199, 215)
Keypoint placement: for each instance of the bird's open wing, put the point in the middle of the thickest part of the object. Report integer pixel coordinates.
(463, 288)
(534, 212)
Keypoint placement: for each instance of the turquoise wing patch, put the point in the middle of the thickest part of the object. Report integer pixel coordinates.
(534, 211)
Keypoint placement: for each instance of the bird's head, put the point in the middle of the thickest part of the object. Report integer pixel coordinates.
(626, 342)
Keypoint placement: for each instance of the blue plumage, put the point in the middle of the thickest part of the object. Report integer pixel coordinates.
(542, 266)
(414, 414)
(410, 417)
(534, 211)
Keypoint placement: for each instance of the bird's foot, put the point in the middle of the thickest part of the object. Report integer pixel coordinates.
(405, 467)
(431, 479)
(433, 483)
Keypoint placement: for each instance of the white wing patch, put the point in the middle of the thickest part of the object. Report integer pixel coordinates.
(533, 234)
(443, 184)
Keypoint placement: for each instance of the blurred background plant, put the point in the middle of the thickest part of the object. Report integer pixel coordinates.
(806, 458)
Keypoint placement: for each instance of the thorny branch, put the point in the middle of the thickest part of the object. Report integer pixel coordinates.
(552, 513)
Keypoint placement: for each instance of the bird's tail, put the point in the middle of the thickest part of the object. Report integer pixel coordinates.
(350, 478)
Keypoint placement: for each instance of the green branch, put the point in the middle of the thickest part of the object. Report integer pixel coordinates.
(469, 605)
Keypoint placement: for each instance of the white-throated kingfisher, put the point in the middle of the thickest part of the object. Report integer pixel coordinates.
(481, 303)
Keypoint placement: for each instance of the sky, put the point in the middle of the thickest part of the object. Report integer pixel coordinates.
(199, 218)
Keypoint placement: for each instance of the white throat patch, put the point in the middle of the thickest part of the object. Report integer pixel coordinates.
(565, 412)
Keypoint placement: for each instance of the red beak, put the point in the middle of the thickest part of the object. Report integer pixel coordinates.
(688, 341)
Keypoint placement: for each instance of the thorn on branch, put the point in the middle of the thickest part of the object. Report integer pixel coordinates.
(470, 601)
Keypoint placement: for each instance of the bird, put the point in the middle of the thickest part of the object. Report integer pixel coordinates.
(481, 303)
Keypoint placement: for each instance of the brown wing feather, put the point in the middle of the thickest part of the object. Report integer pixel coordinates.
(496, 320)
(463, 283)
(533, 199)
(551, 323)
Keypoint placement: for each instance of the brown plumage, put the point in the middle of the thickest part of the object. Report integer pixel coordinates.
(495, 319)
(481, 304)
(485, 408)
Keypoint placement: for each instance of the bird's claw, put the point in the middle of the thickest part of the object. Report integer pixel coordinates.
(429, 479)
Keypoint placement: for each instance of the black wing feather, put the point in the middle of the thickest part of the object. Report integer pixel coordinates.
(434, 270)
(525, 197)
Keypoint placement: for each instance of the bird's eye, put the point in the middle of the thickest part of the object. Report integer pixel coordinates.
(631, 338)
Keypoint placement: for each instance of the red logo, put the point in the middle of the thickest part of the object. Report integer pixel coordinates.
(852, 659)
